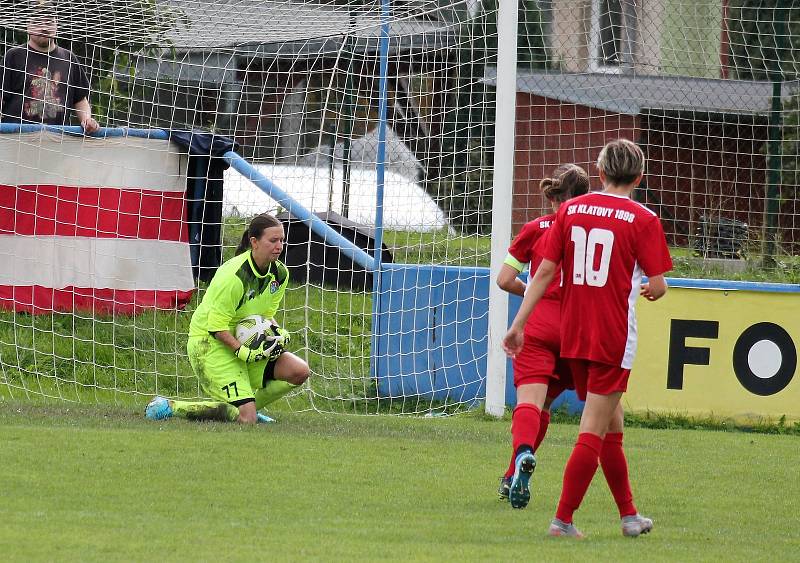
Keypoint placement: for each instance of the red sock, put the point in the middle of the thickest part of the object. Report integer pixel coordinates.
(524, 430)
(544, 422)
(511, 467)
(615, 468)
(525, 425)
(578, 474)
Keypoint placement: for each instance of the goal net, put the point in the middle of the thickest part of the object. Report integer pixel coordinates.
(379, 118)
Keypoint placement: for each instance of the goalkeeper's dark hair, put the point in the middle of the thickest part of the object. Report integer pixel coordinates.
(566, 181)
(256, 228)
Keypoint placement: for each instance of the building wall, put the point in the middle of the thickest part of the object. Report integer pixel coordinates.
(570, 25)
(680, 37)
(712, 165)
(691, 38)
(705, 167)
(650, 22)
(170, 105)
(550, 133)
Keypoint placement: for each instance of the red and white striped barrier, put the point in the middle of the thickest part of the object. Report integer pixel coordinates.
(90, 224)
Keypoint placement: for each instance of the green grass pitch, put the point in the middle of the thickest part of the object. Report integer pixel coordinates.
(102, 484)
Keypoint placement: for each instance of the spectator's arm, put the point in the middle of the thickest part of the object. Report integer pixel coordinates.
(84, 112)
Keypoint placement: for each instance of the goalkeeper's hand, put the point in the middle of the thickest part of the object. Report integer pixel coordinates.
(271, 347)
(281, 336)
(284, 334)
(249, 355)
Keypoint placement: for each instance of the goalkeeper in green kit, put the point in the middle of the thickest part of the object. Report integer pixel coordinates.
(240, 380)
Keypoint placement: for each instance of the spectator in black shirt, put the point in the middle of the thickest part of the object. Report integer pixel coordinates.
(41, 81)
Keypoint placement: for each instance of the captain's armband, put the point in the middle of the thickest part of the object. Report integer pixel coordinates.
(514, 263)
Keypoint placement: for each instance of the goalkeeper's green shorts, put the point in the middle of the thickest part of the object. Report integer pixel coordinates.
(222, 375)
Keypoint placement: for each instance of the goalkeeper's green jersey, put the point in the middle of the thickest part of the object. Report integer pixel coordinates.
(236, 291)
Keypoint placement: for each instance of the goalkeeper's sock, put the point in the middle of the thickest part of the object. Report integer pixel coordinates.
(205, 410)
(578, 474)
(615, 468)
(273, 391)
(544, 422)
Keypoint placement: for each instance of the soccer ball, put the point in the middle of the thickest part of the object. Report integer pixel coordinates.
(252, 331)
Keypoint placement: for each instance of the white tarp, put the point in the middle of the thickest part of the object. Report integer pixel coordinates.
(406, 205)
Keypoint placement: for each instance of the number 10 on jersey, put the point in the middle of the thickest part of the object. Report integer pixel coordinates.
(586, 245)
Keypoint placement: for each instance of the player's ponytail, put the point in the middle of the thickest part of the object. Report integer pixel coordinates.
(566, 182)
(255, 229)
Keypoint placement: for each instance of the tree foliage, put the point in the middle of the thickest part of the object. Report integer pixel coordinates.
(790, 160)
(765, 45)
(764, 39)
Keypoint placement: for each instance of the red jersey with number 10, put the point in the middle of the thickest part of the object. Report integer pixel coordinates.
(604, 242)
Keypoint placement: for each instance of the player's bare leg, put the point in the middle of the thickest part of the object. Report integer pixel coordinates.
(598, 413)
(289, 373)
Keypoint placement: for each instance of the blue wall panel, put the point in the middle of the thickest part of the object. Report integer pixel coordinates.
(431, 334)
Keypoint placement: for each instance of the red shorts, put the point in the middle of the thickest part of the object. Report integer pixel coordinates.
(597, 378)
(562, 383)
(539, 360)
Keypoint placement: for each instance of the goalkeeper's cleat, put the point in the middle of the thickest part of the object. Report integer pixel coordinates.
(559, 528)
(264, 419)
(158, 409)
(502, 490)
(519, 493)
(636, 525)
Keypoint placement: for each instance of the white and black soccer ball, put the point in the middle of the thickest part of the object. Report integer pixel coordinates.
(252, 331)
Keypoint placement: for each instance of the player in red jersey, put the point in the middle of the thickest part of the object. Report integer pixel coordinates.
(539, 374)
(604, 242)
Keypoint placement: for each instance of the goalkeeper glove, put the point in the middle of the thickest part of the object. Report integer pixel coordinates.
(284, 334)
(249, 355)
(280, 338)
(270, 348)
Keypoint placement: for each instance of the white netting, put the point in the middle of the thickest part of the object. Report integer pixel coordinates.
(296, 84)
